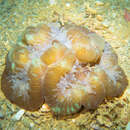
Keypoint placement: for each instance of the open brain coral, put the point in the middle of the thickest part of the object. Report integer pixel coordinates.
(65, 67)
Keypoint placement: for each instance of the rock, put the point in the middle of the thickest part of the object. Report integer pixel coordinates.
(1, 115)
(52, 2)
(105, 24)
(90, 10)
(95, 126)
(27, 122)
(104, 121)
(45, 108)
(128, 126)
(99, 3)
(4, 124)
(18, 115)
(31, 125)
(99, 18)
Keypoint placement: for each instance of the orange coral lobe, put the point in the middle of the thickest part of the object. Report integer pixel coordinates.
(36, 35)
(53, 54)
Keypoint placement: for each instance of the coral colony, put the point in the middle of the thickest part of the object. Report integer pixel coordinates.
(65, 67)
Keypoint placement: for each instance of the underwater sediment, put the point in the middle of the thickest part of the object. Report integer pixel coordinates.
(65, 67)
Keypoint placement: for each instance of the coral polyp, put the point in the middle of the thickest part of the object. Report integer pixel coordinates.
(65, 67)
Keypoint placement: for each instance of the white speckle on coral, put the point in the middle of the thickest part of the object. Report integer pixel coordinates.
(37, 51)
(69, 83)
(60, 34)
(113, 74)
(20, 85)
(112, 71)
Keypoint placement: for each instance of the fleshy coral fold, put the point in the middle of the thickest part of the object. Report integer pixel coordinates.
(65, 67)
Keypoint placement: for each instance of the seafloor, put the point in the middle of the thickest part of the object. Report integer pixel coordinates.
(106, 17)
